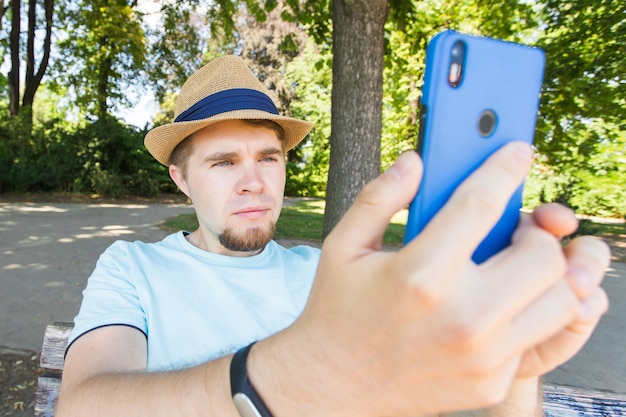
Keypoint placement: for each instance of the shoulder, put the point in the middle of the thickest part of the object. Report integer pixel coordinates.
(169, 242)
(303, 252)
(122, 250)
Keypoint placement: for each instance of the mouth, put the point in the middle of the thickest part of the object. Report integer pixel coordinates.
(252, 212)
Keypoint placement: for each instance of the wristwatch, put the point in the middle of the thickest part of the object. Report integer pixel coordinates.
(246, 399)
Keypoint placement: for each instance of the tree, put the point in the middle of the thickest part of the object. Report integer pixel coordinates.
(358, 58)
(411, 24)
(584, 78)
(310, 77)
(33, 79)
(268, 46)
(365, 36)
(581, 127)
(102, 54)
(33, 75)
(582, 110)
(14, 73)
(179, 47)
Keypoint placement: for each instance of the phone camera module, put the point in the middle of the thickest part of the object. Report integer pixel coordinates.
(487, 123)
(457, 61)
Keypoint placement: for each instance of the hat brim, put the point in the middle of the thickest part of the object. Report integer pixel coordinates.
(162, 140)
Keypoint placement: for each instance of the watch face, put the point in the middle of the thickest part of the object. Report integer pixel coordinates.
(245, 406)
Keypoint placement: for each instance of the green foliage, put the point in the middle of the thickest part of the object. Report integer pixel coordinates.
(105, 47)
(594, 185)
(581, 125)
(41, 161)
(307, 167)
(409, 28)
(103, 51)
(315, 15)
(178, 48)
(114, 161)
(105, 157)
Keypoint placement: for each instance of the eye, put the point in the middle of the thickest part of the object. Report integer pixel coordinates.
(269, 159)
(222, 164)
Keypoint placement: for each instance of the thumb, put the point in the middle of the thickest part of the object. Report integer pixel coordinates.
(364, 224)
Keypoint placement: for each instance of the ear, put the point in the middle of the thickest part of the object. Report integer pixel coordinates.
(178, 178)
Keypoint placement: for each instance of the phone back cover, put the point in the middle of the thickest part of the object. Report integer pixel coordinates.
(499, 76)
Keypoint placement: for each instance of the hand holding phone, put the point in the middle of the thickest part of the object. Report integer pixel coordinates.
(479, 93)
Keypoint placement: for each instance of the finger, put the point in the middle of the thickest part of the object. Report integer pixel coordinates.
(588, 259)
(556, 219)
(477, 204)
(591, 311)
(524, 271)
(567, 343)
(364, 224)
(545, 317)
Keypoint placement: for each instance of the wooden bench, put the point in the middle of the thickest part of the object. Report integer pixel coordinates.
(55, 341)
(559, 401)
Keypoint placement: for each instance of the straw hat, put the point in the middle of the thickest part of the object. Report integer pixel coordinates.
(224, 89)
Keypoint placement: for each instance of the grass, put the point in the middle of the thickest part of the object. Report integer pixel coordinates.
(302, 221)
(305, 219)
(589, 227)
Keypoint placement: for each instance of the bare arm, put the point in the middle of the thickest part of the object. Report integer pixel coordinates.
(418, 331)
(104, 375)
(424, 330)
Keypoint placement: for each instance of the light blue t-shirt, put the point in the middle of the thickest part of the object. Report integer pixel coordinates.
(193, 305)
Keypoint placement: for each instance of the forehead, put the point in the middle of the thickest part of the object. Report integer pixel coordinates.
(233, 133)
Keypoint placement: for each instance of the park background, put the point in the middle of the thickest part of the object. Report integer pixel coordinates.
(83, 80)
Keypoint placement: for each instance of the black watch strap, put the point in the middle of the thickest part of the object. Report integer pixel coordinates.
(245, 397)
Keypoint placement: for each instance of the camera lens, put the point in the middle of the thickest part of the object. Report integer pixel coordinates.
(487, 123)
(457, 60)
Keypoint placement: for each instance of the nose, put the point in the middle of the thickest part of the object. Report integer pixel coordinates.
(251, 180)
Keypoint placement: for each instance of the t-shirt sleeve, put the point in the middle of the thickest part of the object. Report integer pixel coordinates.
(111, 297)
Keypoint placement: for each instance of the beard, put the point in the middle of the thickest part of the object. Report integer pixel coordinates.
(251, 240)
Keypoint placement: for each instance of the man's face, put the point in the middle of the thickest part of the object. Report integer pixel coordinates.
(236, 180)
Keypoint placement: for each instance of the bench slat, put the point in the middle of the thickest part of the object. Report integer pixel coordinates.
(54, 343)
(52, 360)
(563, 401)
(47, 395)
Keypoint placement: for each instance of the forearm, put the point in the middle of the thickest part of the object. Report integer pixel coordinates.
(200, 391)
(523, 400)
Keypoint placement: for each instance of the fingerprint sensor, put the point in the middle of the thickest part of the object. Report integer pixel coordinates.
(487, 123)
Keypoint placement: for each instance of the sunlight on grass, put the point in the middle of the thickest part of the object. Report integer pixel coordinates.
(304, 220)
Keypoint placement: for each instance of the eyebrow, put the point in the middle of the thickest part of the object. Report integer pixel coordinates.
(271, 150)
(220, 156)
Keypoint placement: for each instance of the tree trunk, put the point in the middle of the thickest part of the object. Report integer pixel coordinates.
(103, 86)
(14, 73)
(33, 80)
(358, 54)
(3, 11)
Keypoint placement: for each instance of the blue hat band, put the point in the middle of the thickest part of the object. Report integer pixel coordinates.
(225, 101)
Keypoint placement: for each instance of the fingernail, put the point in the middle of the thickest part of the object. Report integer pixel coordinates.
(523, 150)
(401, 167)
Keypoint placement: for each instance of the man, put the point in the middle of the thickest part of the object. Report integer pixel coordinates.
(415, 332)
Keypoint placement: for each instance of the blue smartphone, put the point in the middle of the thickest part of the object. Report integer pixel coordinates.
(479, 93)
